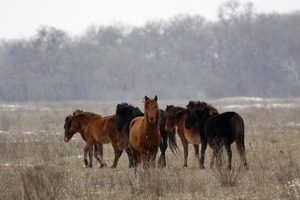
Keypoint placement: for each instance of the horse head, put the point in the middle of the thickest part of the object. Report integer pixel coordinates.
(71, 127)
(173, 115)
(151, 109)
(197, 112)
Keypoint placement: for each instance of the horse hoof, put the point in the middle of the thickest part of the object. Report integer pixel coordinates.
(113, 166)
(202, 167)
(132, 165)
(184, 165)
(162, 165)
(103, 165)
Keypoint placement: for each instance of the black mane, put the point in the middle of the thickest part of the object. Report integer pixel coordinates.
(68, 121)
(81, 112)
(125, 113)
(194, 106)
(175, 111)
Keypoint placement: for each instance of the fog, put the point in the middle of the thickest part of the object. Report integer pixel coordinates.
(243, 53)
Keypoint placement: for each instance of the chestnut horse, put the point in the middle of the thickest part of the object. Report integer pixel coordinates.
(219, 129)
(126, 112)
(175, 117)
(144, 137)
(96, 130)
(69, 133)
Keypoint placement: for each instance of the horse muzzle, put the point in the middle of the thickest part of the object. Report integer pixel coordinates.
(152, 120)
(167, 129)
(66, 139)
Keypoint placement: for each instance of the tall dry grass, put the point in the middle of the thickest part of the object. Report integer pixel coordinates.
(35, 163)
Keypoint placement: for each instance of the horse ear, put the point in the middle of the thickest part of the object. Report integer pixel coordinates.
(146, 98)
(155, 98)
(210, 111)
(180, 113)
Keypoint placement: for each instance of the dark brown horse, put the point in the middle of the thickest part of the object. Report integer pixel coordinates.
(219, 129)
(175, 117)
(95, 130)
(144, 136)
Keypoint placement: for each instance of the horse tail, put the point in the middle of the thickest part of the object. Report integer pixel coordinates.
(123, 138)
(238, 129)
(172, 142)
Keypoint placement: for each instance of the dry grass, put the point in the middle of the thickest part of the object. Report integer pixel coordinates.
(35, 163)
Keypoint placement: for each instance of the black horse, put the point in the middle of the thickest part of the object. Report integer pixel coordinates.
(126, 112)
(219, 129)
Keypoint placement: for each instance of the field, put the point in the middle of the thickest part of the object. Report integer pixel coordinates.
(36, 163)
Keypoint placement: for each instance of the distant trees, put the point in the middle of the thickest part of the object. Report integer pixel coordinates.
(186, 57)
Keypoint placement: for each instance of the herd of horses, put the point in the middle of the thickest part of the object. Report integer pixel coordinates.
(142, 134)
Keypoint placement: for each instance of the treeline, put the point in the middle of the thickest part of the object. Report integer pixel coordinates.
(187, 57)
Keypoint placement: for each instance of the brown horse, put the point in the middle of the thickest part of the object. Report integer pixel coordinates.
(144, 136)
(175, 117)
(96, 130)
(81, 128)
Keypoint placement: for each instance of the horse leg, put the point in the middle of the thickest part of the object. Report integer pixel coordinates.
(152, 159)
(135, 155)
(185, 146)
(186, 153)
(146, 159)
(163, 147)
(132, 161)
(219, 155)
(90, 157)
(229, 154)
(214, 156)
(102, 163)
(98, 148)
(86, 150)
(196, 150)
(203, 148)
(118, 154)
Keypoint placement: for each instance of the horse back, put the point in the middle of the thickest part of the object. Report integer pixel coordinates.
(227, 125)
(98, 129)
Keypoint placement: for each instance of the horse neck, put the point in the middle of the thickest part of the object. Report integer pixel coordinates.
(180, 121)
(150, 127)
(82, 121)
(206, 118)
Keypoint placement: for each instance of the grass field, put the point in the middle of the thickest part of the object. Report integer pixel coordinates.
(35, 162)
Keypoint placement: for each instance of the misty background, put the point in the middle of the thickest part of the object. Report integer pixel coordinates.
(243, 53)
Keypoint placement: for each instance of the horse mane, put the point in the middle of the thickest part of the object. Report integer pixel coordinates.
(68, 121)
(88, 114)
(125, 113)
(175, 111)
(194, 106)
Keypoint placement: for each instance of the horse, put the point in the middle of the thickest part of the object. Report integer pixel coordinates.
(98, 148)
(95, 130)
(176, 117)
(144, 138)
(219, 129)
(126, 112)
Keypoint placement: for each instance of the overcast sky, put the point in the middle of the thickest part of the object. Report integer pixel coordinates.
(21, 18)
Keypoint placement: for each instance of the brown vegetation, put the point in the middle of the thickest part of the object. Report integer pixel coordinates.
(36, 163)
